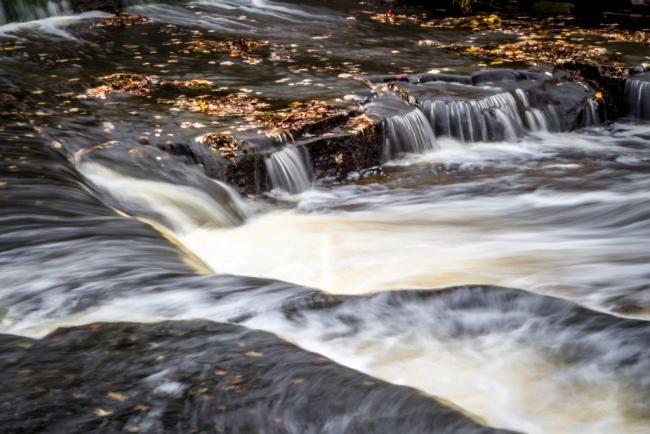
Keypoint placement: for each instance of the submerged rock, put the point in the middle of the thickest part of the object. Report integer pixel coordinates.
(199, 376)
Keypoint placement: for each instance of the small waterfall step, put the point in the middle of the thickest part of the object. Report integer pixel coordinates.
(29, 10)
(406, 127)
(490, 105)
(13, 11)
(637, 96)
(290, 169)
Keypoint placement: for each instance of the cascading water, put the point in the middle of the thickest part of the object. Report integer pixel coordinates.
(590, 114)
(408, 133)
(179, 208)
(406, 127)
(637, 97)
(504, 116)
(289, 169)
(28, 10)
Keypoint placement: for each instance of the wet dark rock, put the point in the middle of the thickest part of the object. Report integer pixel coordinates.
(610, 82)
(13, 347)
(345, 143)
(337, 145)
(448, 78)
(500, 75)
(563, 101)
(496, 75)
(569, 98)
(245, 170)
(105, 5)
(337, 154)
(385, 78)
(417, 78)
(200, 376)
(551, 8)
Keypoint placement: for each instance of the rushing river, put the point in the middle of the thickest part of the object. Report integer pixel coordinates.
(507, 277)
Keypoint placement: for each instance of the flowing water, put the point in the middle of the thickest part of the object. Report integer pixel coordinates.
(290, 169)
(538, 233)
(637, 93)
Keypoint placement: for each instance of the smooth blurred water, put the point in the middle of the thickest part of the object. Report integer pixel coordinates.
(99, 224)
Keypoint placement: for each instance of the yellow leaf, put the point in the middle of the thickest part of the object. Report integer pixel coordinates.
(102, 413)
(254, 354)
(116, 396)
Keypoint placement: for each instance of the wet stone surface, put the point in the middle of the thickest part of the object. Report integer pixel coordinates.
(198, 376)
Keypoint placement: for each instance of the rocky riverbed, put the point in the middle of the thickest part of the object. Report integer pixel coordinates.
(227, 217)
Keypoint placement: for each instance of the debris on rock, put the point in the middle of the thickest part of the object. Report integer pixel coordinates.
(226, 146)
(536, 50)
(296, 116)
(358, 124)
(122, 21)
(246, 49)
(234, 104)
(133, 84)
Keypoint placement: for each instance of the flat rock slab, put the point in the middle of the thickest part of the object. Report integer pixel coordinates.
(199, 377)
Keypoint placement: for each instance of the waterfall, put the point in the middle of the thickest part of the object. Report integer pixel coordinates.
(29, 10)
(408, 132)
(589, 114)
(504, 116)
(406, 127)
(180, 208)
(637, 98)
(19, 11)
(289, 169)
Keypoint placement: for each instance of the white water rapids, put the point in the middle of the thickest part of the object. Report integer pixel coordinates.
(554, 240)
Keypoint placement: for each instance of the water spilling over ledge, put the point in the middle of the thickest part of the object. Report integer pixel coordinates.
(637, 96)
(290, 169)
(29, 10)
(406, 128)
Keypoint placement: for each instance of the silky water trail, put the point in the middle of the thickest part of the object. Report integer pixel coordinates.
(99, 227)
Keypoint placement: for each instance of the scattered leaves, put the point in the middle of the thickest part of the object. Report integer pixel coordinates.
(122, 20)
(534, 50)
(140, 84)
(189, 84)
(226, 146)
(358, 124)
(295, 117)
(235, 104)
(133, 84)
(395, 19)
(246, 49)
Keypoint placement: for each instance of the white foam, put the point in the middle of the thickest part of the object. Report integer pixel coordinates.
(290, 169)
(183, 208)
(51, 25)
